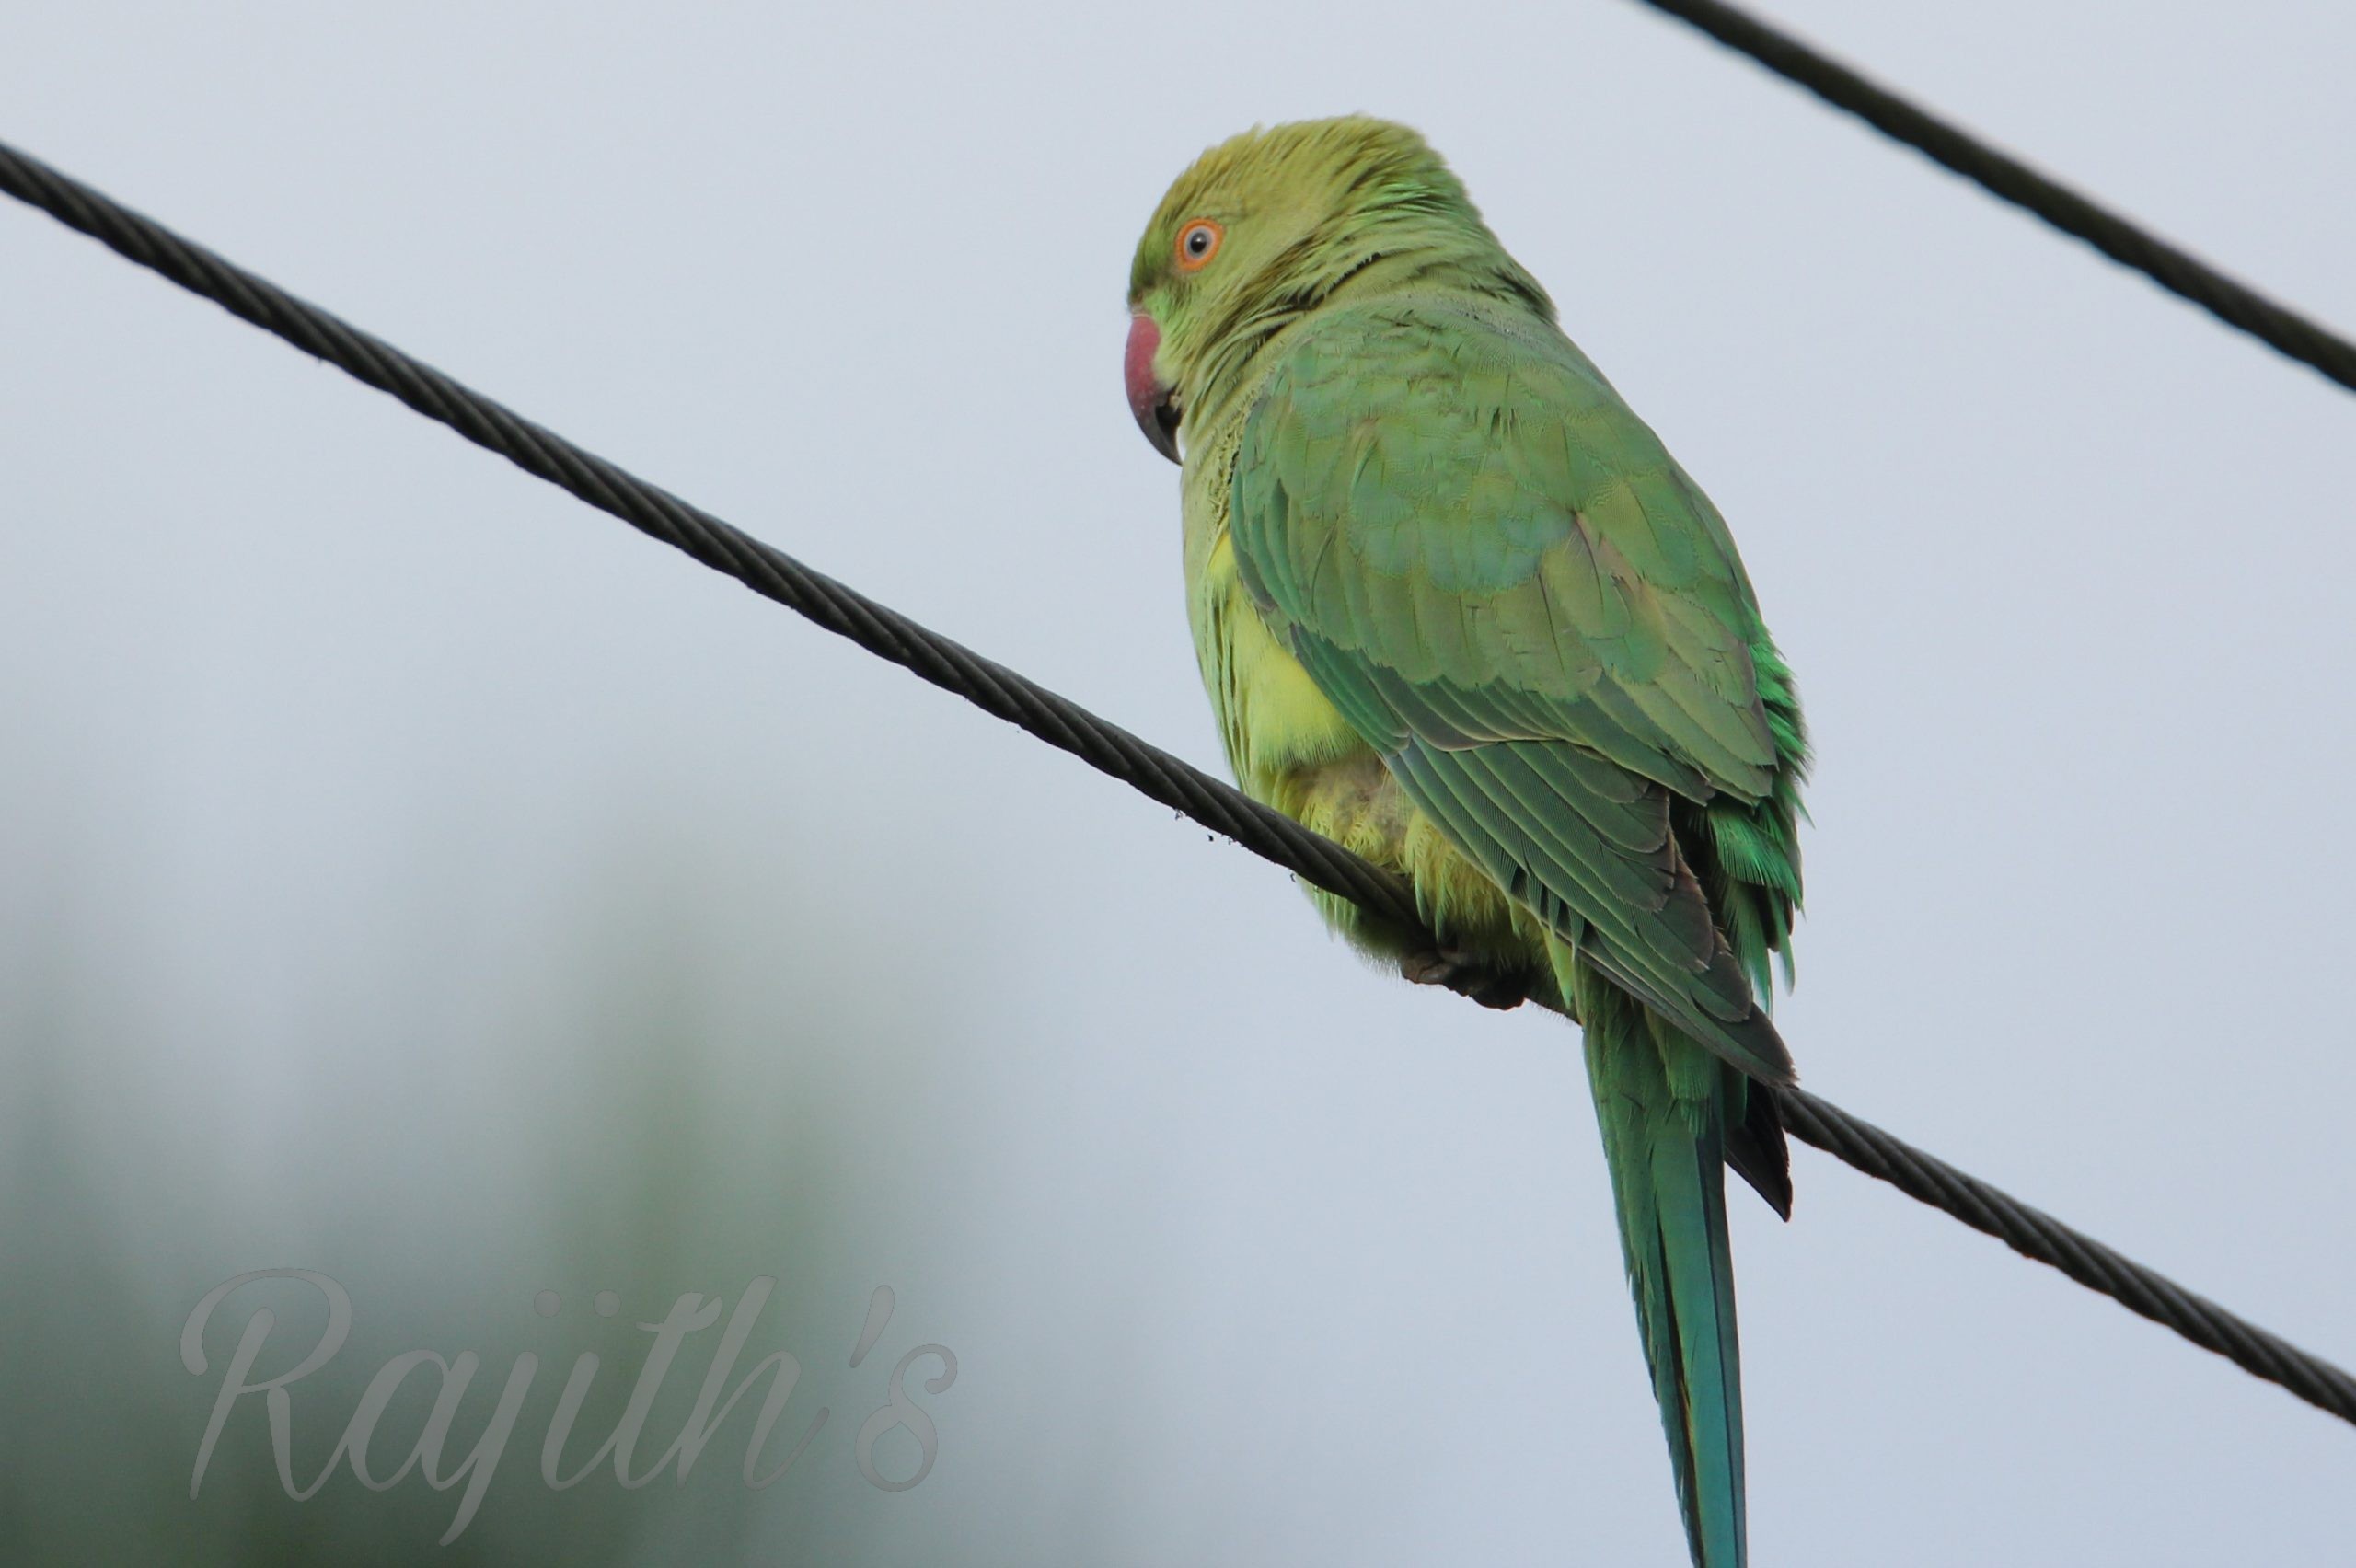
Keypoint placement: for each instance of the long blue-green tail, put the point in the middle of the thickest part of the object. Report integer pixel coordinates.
(1664, 1104)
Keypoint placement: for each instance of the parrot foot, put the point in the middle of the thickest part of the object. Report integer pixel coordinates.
(1465, 975)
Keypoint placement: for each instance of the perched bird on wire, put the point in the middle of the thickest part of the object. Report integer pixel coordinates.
(1457, 609)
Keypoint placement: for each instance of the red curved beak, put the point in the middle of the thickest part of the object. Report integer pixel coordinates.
(1152, 402)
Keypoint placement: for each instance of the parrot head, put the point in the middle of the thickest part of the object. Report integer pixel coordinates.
(1268, 225)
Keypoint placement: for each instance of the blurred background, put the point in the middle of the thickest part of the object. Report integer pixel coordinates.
(411, 875)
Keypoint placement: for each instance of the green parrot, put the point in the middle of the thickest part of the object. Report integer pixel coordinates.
(1457, 610)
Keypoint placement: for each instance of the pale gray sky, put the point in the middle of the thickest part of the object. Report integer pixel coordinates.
(341, 766)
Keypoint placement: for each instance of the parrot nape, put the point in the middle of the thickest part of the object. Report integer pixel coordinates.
(1457, 610)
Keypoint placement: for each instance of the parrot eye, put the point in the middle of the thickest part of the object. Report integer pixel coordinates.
(1197, 243)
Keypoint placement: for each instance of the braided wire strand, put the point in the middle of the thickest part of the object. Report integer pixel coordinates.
(1104, 745)
(656, 512)
(2006, 178)
(2035, 1234)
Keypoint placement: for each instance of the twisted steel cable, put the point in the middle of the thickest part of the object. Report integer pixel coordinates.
(2035, 1234)
(2007, 179)
(763, 568)
(1104, 745)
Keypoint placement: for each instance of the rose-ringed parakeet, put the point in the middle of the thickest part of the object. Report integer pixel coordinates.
(1457, 609)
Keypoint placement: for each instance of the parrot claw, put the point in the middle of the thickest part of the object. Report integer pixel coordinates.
(1465, 975)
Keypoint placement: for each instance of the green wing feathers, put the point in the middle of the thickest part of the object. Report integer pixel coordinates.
(1509, 588)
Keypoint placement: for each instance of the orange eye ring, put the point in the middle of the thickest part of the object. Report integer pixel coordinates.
(1198, 241)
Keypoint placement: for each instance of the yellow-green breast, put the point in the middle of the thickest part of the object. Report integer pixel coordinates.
(1290, 747)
